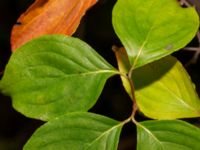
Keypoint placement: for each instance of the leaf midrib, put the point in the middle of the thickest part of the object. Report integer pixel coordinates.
(143, 45)
(88, 72)
(151, 134)
(156, 139)
(177, 98)
(103, 134)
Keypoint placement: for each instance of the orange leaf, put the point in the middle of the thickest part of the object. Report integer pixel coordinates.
(49, 17)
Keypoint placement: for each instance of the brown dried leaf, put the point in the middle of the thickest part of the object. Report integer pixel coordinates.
(49, 17)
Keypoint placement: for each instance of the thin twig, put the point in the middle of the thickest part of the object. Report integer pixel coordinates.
(135, 106)
(128, 76)
(184, 2)
(193, 49)
(196, 55)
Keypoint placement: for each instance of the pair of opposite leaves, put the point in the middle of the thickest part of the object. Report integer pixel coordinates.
(60, 74)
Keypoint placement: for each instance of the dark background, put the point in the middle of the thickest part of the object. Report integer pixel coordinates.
(96, 29)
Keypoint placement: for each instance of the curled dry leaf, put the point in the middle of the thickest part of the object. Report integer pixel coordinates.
(49, 17)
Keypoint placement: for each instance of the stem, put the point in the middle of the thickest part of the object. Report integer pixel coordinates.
(135, 106)
(196, 50)
(184, 2)
(126, 72)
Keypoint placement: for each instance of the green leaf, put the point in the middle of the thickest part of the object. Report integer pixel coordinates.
(77, 131)
(152, 29)
(167, 135)
(54, 75)
(164, 90)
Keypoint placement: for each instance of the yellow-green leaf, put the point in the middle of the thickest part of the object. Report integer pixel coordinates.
(164, 90)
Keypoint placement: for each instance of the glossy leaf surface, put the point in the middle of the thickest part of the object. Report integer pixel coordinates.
(164, 90)
(167, 135)
(78, 131)
(49, 17)
(53, 75)
(152, 29)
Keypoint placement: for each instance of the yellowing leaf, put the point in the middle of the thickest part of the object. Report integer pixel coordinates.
(164, 90)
